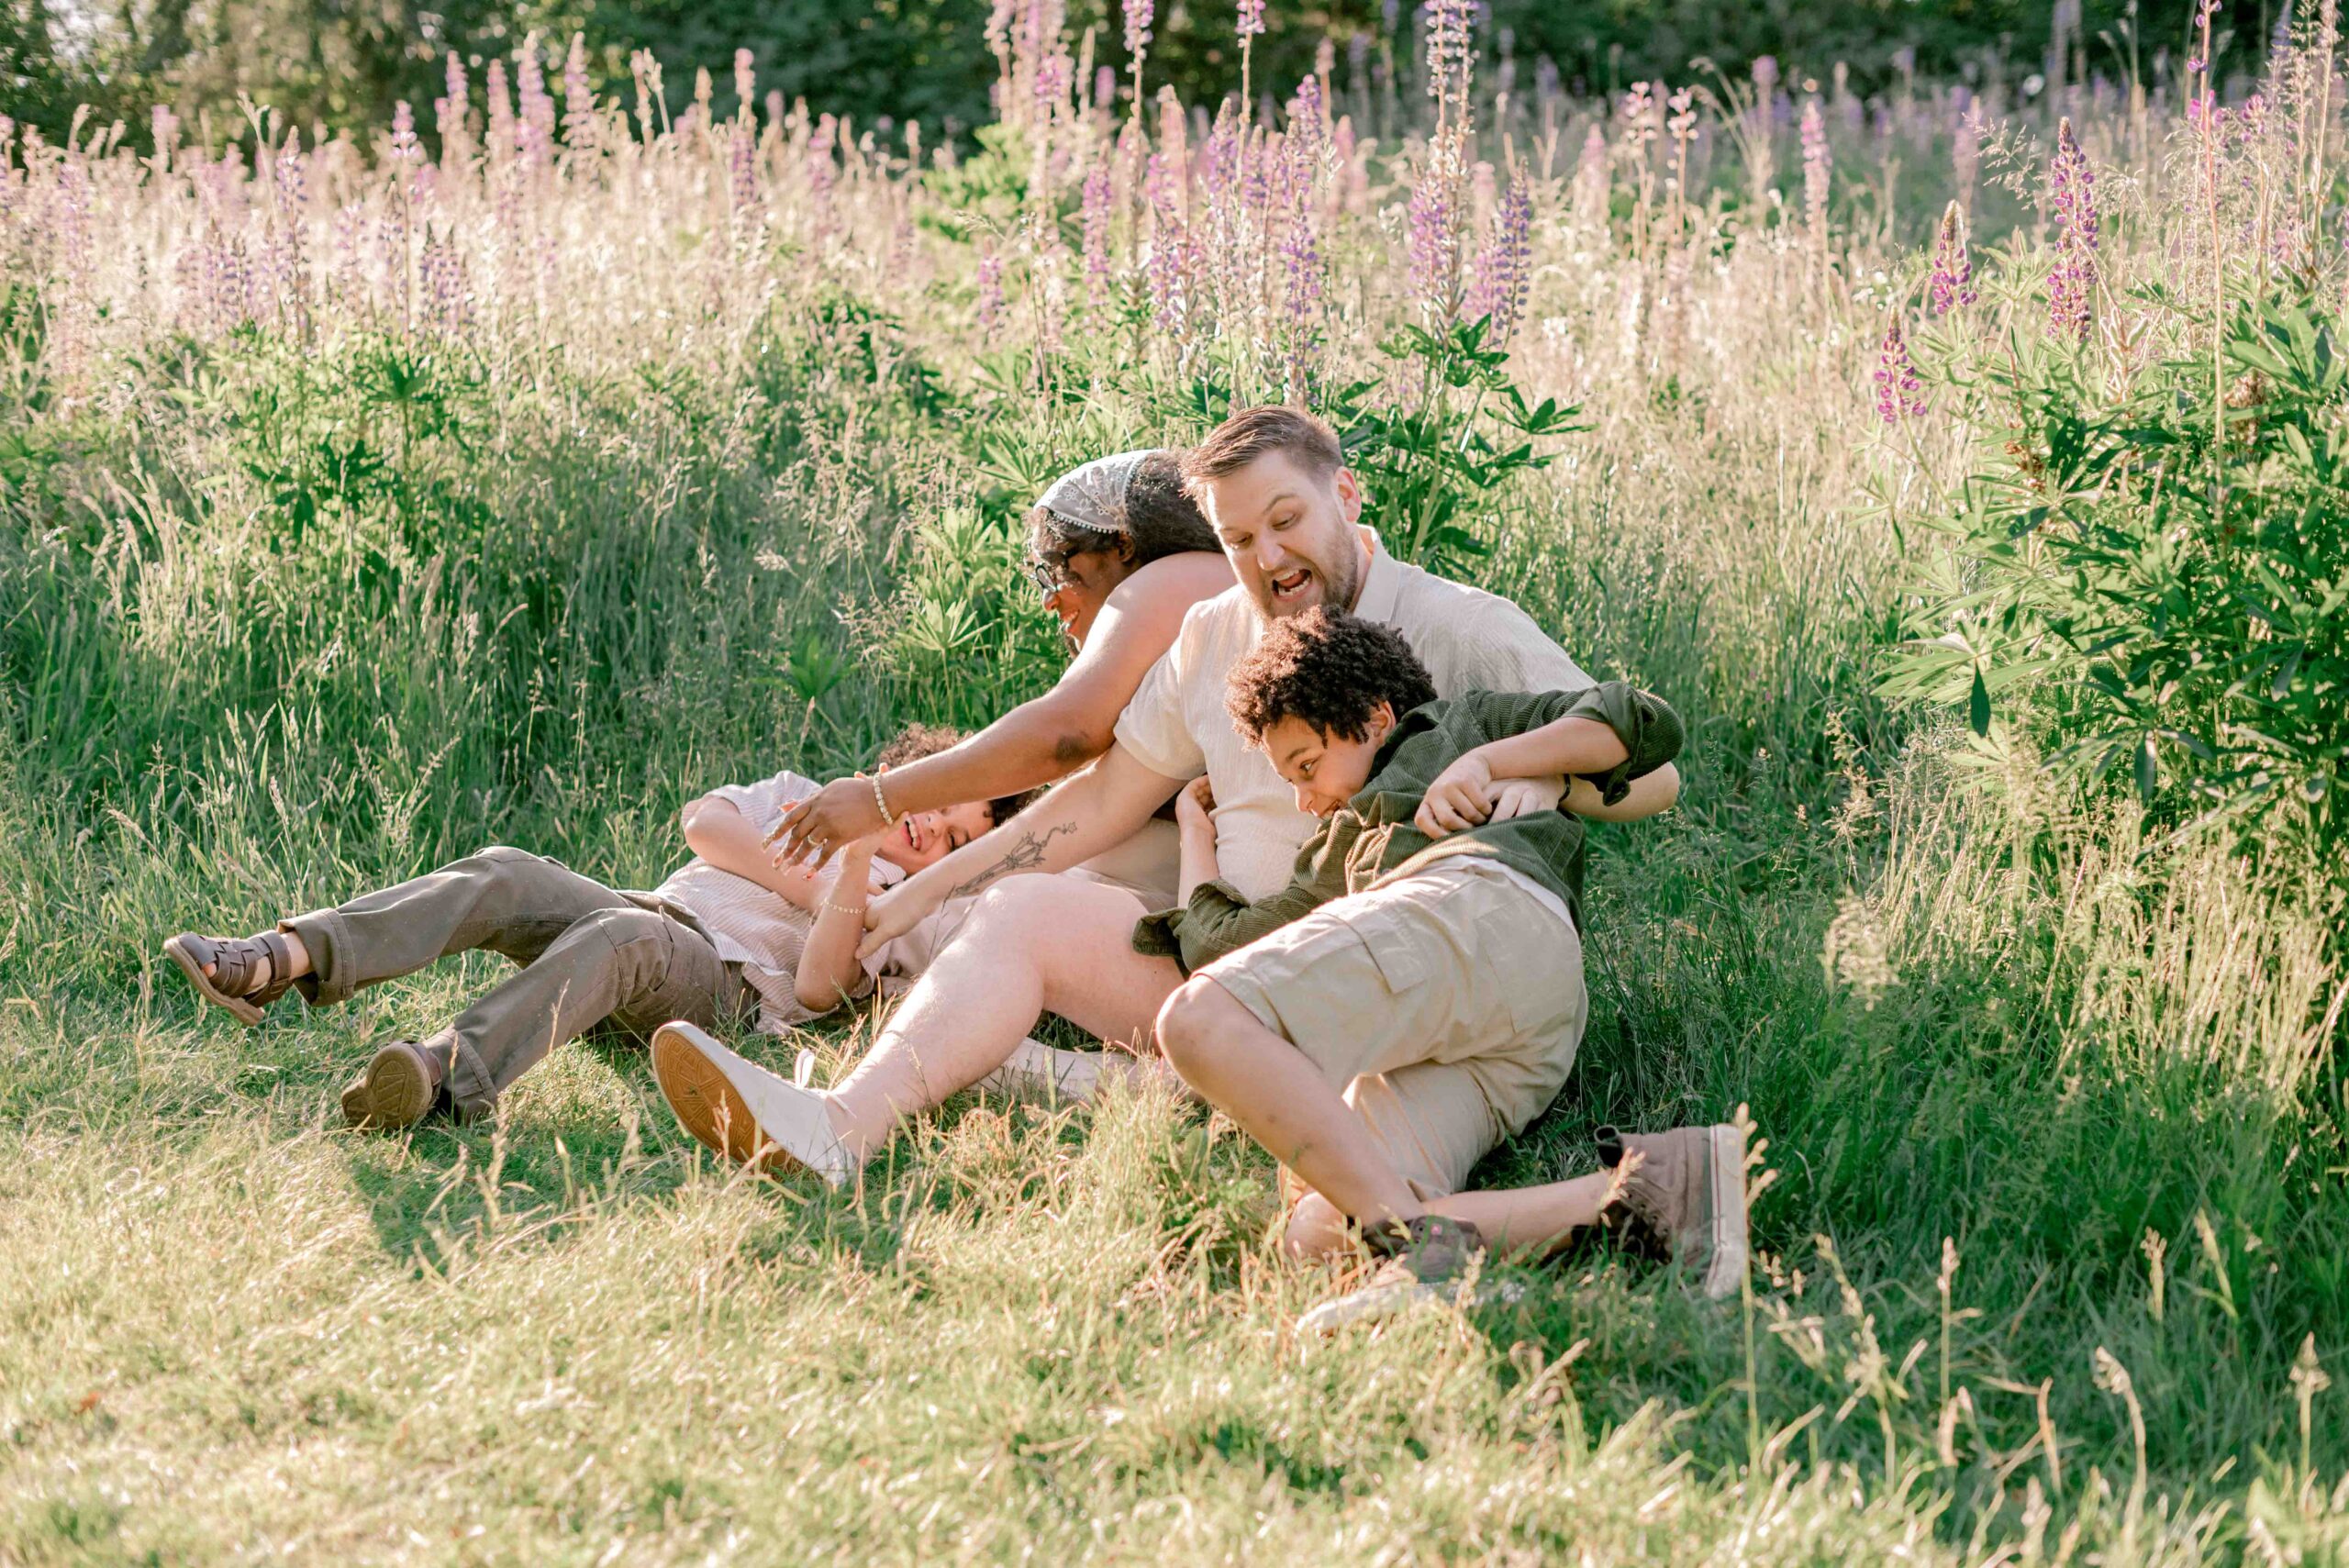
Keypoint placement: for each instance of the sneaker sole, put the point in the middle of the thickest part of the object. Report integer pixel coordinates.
(244, 1012)
(696, 1074)
(1725, 1171)
(396, 1092)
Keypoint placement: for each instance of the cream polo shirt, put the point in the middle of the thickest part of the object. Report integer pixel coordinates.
(1176, 724)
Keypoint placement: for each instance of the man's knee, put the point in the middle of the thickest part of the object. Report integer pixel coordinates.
(1316, 1229)
(622, 927)
(502, 861)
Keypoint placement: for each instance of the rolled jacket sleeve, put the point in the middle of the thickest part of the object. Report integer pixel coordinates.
(1643, 722)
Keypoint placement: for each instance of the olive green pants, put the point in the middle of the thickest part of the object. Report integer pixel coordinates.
(590, 956)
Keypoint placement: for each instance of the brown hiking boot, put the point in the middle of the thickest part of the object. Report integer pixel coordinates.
(1427, 1259)
(1687, 1185)
(396, 1091)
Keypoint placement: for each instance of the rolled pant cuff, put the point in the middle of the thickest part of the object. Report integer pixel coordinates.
(327, 938)
(472, 1092)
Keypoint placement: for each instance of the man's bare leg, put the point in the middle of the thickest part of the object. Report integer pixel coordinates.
(1030, 945)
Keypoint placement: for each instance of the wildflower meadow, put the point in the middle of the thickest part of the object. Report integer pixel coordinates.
(1964, 461)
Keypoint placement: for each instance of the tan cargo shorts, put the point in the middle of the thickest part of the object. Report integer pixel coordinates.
(1446, 1005)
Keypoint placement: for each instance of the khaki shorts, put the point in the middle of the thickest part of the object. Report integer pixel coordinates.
(1447, 1005)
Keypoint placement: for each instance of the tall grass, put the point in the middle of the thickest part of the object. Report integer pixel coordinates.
(365, 507)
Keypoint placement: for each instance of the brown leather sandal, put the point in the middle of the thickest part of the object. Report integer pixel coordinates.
(235, 961)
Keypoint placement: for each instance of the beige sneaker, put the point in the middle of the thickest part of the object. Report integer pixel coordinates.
(1689, 1186)
(751, 1116)
(396, 1092)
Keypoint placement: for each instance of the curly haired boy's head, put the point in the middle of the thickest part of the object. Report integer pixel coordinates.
(1330, 671)
(915, 742)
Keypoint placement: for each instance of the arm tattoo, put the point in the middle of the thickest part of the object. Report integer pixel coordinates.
(1025, 855)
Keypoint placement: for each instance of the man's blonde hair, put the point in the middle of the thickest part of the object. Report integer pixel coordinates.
(1255, 432)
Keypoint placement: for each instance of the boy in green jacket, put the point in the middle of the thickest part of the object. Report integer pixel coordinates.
(1415, 995)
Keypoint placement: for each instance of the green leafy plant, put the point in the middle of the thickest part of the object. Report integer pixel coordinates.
(2166, 583)
(1429, 460)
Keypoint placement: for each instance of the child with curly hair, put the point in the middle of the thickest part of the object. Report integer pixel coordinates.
(1415, 995)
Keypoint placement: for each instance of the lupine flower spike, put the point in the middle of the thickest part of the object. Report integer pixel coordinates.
(1953, 285)
(2071, 286)
(1898, 395)
(1818, 169)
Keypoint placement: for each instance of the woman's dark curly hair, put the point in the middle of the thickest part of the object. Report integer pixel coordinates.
(1332, 670)
(915, 742)
(1160, 520)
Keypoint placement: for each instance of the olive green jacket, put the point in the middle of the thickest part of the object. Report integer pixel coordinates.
(1371, 839)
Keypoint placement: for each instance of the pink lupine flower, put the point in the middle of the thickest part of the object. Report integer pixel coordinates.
(990, 292)
(746, 84)
(164, 124)
(288, 282)
(1168, 266)
(1139, 16)
(1818, 165)
(534, 137)
(1251, 19)
(1965, 150)
(578, 98)
(2073, 185)
(1434, 243)
(743, 169)
(1952, 284)
(450, 112)
(502, 138)
(1898, 395)
(1105, 87)
(820, 170)
(1093, 219)
(1052, 80)
(1450, 50)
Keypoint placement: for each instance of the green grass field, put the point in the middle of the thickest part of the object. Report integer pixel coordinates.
(2055, 1247)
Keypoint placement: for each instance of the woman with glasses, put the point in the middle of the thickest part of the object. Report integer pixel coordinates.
(1119, 554)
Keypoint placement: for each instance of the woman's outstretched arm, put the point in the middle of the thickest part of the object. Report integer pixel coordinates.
(720, 833)
(1038, 741)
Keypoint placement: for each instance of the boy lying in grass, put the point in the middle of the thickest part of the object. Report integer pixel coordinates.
(1415, 995)
(729, 933)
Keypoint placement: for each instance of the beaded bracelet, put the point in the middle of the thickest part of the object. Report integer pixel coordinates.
(888, 817)
(843, 909)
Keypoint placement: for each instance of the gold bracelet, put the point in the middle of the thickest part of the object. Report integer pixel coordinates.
(888, 817)
(843, 909)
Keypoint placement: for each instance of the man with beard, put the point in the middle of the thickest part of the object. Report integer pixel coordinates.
(1273, 483)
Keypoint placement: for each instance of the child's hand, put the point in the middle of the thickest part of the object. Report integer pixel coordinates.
(1460, 798)
(1195, 807)
(1526, 797)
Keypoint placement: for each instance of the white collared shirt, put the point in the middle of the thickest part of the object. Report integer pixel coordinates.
(1177, 725)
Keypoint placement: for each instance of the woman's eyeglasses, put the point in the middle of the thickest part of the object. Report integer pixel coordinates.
(1049, 577)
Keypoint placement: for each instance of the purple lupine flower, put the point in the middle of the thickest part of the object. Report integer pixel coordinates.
(578, 98)
(1139, 16)
(1818, 167)
(447, 308)
(1434, 244)
(990, 292)
(1502, 268)
(1105, 87)
(1168, 265)
(1953, 285)
(2071, 285)
(1898, 395)
(1052, 80)
(287, 281)
(1309, 126)
(2073, 185)
(1301, 267)
(1094, 220)
(1250, 18)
